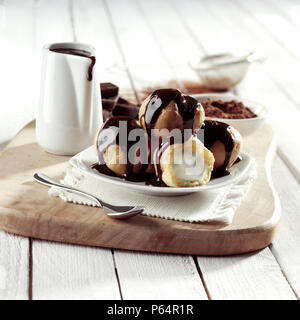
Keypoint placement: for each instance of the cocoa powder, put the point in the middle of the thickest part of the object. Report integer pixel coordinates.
(226, 109)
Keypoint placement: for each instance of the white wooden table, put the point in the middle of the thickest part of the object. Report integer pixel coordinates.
(141, 43)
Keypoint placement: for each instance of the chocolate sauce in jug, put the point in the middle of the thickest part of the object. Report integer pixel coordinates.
(81, 53)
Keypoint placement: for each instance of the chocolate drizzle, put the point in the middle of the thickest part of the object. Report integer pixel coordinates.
(218, 131)
(107, 138)
(110, 135)
(81, 53)
(163, 146)
(117, 136)
(161, 98)
(143, 178)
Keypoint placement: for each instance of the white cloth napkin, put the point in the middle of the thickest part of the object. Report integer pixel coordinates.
(211, 206)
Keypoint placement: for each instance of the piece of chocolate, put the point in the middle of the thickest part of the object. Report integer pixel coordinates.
(125, 108)
(108, 90)
(108, 104)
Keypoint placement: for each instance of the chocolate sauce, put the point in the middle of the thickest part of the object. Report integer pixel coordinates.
(161, 98)
(125, 108)
(143, 178)
(213, 131)
(113, 124)
(112, 137)
(158, 101)
(218, 131)
(238, 159)
(163, 146)
(81, 53)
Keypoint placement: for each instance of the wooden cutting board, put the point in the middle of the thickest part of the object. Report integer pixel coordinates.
(26, 209)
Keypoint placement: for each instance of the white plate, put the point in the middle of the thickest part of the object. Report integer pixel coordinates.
(85, 159)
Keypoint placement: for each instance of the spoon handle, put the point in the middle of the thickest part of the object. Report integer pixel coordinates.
(43, 179)
(254, 57)
(117, 212)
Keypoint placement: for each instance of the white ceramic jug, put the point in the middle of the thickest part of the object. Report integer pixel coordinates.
(70, 108)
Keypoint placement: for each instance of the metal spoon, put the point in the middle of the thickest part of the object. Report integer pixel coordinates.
(116, 212)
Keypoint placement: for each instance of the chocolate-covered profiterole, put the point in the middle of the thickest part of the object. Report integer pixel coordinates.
(113, 146)
(81, 53)
(187, 164)
(224, 142)
(170, 109)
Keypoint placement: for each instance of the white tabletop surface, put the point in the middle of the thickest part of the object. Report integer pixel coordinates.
(141, 43)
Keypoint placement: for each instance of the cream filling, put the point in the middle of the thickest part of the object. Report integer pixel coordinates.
(191, 166)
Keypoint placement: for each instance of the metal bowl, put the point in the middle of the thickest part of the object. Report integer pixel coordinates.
(223, 71)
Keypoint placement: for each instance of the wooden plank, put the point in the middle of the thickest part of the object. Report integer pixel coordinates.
(51, 30)
(14, 267)
(254, 276)
(289, 10)
(286, 247)
(148, 68)
(146, 276)
(174, 43)
(73, 272)
(16, 37)
(99, 32)
(282, 66)
(48, 30)
(279, 28)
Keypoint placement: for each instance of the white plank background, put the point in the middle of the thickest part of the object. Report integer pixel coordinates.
(250, 276)
(16, 109)
(14, 267)
(16, 64)
(155, 276)
(63, 271)
(286, 248)
(137, 46)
